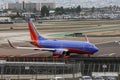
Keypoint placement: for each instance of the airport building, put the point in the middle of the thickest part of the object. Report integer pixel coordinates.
(28, 6)
(3, 19)
(38, 68)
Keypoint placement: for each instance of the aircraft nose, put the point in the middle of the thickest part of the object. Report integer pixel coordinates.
(96, 49)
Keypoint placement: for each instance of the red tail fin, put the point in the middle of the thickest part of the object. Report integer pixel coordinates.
(35, 37)
(33, 31)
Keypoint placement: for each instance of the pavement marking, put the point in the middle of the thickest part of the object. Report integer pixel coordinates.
(112, 54)
(103, 55)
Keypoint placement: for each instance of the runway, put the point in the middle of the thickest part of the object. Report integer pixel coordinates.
(107, 49)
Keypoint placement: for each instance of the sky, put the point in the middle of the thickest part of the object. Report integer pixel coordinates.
(73, 3)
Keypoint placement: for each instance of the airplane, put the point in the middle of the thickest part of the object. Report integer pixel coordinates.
(58, 47)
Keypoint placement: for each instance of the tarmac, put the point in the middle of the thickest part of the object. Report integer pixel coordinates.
(108, 46)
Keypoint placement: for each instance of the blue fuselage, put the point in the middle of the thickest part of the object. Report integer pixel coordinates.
(73, 46)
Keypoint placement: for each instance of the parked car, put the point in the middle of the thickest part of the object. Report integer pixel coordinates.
(98, 78)
(85, 78)
(111, 78)
(58, 78)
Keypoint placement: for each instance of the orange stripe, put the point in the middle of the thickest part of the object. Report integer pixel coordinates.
(33, 35)
(32, 32)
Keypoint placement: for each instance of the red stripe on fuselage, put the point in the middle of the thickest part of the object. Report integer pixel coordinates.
(70, 50)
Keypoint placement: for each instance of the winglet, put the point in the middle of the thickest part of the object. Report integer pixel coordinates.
(86, 38)
(11, 45)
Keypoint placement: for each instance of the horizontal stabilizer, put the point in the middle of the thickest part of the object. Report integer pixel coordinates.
(11, 45)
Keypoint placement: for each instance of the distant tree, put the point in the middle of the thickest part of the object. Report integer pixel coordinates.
(78, 9)
(67, 10)
(93, 9)
(44, 11)
(72, 10)
(59, 11)
(34, 10)
(18, 14)
(62, 10)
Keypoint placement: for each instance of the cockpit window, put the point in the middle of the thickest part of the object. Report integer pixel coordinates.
(91, 46)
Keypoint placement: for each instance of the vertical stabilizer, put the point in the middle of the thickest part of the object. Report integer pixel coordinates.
(33, 31)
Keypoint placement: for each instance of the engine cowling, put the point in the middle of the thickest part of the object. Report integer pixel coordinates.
(59, 53)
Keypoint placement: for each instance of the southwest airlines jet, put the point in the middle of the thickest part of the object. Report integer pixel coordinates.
(58, 47)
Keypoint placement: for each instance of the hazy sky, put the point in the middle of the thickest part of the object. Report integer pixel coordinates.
(69, 3)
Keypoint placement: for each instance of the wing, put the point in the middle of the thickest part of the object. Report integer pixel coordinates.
(32, 48)
(36, 48)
